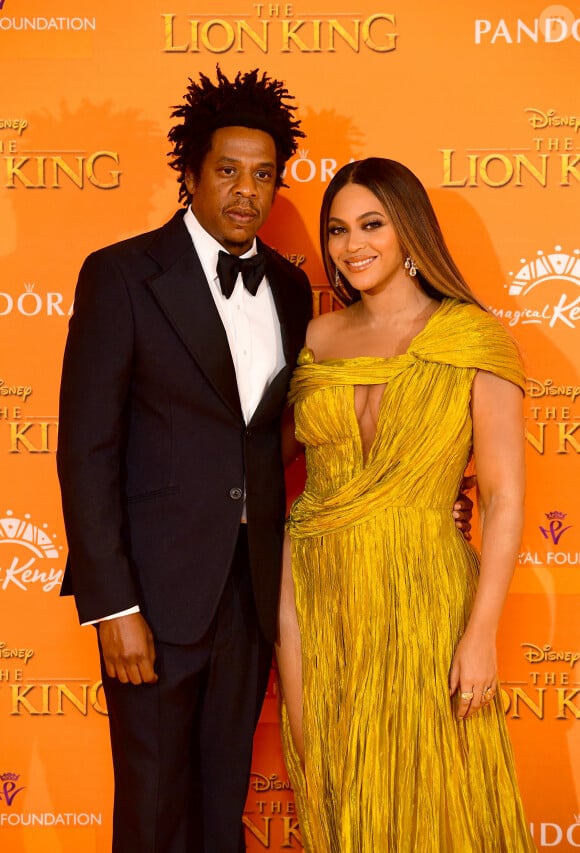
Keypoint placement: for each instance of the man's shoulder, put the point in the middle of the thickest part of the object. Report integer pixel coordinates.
(171, 231)
(283, 266)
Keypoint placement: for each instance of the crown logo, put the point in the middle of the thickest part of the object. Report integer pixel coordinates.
(9, 777)
(24, 532)
(29, 286)
(556, 264)
(303, 153)
(555, 515)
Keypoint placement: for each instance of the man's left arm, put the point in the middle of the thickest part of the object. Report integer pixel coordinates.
(93, 426)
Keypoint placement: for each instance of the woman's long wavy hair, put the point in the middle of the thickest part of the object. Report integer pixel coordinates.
(407, 205)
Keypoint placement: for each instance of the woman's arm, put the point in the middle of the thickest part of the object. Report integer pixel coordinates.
(498, 444)
(288, 649)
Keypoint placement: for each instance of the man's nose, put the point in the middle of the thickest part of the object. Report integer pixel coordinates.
(246, 186)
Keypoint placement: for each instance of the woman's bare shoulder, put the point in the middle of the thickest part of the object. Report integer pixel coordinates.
(322, 331)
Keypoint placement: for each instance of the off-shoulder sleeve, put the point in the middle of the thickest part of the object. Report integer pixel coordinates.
(464, 335)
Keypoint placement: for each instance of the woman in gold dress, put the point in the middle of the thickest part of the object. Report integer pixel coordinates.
(393, 727)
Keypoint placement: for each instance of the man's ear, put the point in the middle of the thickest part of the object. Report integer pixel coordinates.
(189, 181)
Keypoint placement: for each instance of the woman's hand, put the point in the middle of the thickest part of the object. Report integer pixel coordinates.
(473, 675)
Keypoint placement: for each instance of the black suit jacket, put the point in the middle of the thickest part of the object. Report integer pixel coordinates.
(153, 450)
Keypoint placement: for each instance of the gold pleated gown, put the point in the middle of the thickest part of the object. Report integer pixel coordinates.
(384, 584)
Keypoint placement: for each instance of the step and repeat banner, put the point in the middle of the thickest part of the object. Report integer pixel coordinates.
(481, 100)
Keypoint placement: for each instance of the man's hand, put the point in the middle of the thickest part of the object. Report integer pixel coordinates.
(463, 507)
(128, 649)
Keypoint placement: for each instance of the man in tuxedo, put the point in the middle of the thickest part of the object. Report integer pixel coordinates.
(174, 380)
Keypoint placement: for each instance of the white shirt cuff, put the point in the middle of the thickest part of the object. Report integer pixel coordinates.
(129, 610)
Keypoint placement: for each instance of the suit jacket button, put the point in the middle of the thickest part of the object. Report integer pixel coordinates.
(235, 493)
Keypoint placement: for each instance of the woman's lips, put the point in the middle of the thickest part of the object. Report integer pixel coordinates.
(360, 264)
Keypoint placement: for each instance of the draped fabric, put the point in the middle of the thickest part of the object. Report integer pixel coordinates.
(384, 584)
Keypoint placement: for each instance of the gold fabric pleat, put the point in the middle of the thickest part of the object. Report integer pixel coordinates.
(384, 584)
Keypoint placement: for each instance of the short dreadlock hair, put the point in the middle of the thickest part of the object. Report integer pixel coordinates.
(249, 101)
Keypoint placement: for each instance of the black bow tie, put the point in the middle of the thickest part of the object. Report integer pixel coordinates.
(229, 267)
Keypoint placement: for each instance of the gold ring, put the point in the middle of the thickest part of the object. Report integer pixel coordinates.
(467, 696)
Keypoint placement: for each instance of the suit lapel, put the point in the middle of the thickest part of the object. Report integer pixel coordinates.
(282, 292)
(182, 292)
(284, 296)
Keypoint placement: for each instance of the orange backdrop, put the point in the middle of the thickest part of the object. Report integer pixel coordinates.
(481, 100)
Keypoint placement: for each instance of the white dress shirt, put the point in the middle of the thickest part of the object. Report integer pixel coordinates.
(252, 328)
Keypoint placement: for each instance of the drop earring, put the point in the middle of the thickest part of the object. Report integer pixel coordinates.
(411, 266)
(337, 280)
